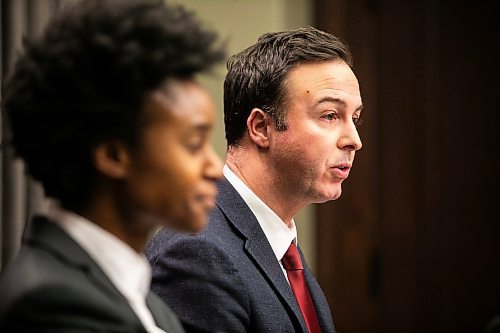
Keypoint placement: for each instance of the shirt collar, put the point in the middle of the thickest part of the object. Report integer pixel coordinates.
(129, 271)
(277, 232)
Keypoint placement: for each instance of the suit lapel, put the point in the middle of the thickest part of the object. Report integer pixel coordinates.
(318, 298)
(158, 312)
(256, 244)
(48, 235)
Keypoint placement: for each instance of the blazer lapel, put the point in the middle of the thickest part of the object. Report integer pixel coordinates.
(158, 314)
(158, 311)
(44, 233)
(318, 298)
(256, 244)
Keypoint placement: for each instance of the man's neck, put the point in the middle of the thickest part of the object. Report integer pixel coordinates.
(262, 181)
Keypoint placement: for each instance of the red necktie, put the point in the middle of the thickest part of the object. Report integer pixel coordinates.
(295, 271)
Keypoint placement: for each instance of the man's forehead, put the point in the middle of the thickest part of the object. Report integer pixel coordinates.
(311, 77)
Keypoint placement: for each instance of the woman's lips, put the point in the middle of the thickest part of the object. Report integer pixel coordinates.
(210, 202)
(207, 200)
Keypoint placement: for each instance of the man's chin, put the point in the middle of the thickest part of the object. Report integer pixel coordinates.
(330, 195)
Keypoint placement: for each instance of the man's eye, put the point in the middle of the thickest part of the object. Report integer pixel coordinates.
(330, 116)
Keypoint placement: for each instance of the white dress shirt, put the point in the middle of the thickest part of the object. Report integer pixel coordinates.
(277, 232)
(129, 271)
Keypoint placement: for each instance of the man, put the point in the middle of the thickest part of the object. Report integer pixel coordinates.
(106, 113)
(291, 105)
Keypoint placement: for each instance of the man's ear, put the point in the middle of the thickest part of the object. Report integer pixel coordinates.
(259, 123)
(112, 159)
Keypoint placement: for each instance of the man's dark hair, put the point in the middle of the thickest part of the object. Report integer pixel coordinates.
(256, 76)
(85, 79)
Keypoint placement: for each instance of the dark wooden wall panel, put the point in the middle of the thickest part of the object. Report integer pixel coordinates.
(349, 228)
(413, 244)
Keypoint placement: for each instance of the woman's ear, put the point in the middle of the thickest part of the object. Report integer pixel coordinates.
(112, 159)
(258, 125)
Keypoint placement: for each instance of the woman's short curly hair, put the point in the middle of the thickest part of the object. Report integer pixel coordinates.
(84, 81)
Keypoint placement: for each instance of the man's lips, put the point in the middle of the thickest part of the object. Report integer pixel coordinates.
(341, 170)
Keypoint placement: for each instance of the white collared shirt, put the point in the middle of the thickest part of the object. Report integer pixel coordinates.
(278, 234)
(129, 271)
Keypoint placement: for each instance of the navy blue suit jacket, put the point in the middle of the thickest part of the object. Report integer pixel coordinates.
(227, 278)
(54, 286)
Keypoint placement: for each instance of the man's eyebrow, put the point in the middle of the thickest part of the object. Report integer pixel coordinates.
(329, 99)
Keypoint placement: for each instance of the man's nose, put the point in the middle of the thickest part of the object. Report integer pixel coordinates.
(350, 139)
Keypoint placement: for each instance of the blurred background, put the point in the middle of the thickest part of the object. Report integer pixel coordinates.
(413, 244)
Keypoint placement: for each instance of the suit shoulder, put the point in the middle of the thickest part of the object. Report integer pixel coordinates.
(51, 302)
(213, 242)
(38, 279)
(196, 276)
(196, 252)
(32, 269)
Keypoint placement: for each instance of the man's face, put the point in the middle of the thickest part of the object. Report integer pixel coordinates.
(174, 167)
(315, 154)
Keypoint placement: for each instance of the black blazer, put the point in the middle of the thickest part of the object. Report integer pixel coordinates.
(227, 278)
(54, 286)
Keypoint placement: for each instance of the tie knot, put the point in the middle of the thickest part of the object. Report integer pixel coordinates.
(291, 260)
